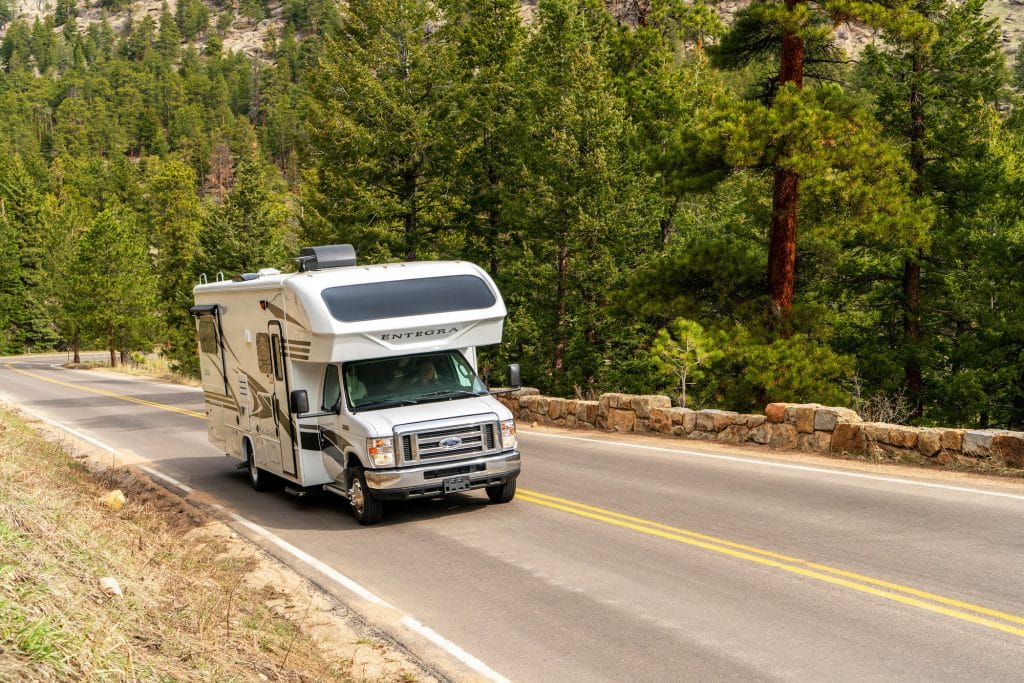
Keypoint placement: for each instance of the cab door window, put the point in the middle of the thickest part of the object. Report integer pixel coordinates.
(332, 388)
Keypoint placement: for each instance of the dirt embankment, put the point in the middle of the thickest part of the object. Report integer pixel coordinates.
(94, 586)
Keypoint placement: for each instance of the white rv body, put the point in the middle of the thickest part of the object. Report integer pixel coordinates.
(356, 333)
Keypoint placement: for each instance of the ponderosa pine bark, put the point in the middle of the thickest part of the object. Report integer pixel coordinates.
(785, 193)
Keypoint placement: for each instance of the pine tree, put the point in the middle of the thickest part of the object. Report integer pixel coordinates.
(380, 91)
(175, 218)
(64, 12)
(192, 17)
(11, 287)
(114, 287)
(168, 41)
(583, 206)
(668, 95)
(933, 96)
(483, 128)
(6, 13)
(251, 229)
(28, 325)
(797, 34)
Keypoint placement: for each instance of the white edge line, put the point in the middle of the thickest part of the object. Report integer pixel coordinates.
(308, 559)
(769, 463)
(170, 480)
(69, 430)
(454, 650)
(408, 621)
(304, 557)
(109, 449)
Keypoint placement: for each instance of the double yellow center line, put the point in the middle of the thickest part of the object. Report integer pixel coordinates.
(950, 607)
(101, 392)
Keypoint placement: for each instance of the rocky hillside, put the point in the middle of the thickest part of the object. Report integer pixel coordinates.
(246, 35)
(241, 35)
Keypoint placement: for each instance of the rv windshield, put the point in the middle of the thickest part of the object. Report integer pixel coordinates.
(408, 380)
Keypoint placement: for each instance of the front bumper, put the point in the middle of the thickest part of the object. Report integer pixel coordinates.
(427, 480)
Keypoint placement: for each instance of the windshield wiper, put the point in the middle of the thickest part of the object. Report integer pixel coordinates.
(384, 403)
(449, 393)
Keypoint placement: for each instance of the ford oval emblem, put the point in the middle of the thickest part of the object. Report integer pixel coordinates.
(450, 442)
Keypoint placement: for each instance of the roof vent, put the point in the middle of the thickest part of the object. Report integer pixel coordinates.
(329, 256)
(262, 272)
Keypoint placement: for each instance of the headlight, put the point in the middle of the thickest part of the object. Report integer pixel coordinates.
(381, 451)
(509, 441)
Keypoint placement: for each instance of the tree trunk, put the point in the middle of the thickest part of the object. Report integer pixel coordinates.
(786, 193)
(411, 215)
(912, 264)
(76, 349)
(493, 217)
(912, 331)
(563, 271)
(782, 242)
(665, 225)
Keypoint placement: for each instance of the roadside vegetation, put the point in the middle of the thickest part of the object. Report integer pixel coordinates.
(195, 603)
(152, 365)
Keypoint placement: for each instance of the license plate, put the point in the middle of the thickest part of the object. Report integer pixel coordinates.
(453, 484)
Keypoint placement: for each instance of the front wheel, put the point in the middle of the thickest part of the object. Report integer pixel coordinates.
(367, 509)
(502, 493)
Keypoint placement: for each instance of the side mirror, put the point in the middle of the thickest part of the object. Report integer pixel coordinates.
(298, 402)
(513, 376)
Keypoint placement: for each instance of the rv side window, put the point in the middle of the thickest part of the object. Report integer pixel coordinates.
(332, 388)
(275, 352)
(263, 353)
(207, 336)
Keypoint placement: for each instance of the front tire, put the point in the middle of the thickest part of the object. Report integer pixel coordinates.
(366, 509)
(502, 493)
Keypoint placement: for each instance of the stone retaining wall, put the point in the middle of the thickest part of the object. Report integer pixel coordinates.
(804, 427)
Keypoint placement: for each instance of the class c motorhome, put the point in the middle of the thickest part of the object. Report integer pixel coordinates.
(360, 380)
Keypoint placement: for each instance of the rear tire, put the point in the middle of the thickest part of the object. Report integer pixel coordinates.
(502, 493)
(259, 479)
(366, 509)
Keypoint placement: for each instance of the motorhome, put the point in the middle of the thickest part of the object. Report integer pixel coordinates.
(385, 354)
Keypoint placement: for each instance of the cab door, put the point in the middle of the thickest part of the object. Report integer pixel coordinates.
(284, 426)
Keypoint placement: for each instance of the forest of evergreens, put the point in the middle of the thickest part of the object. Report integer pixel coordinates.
(632, 186)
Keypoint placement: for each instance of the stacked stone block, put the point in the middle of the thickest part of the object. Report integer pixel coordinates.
(806, 427)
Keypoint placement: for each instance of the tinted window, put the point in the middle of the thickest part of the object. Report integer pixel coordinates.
(263, 353)
(377, 300)
(208, 336)
(275, 350)
(332, 388)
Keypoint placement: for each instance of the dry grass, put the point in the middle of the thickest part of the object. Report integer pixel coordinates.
(151, 365)
(193, 607)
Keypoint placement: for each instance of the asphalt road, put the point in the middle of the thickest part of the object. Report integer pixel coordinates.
(638, 559)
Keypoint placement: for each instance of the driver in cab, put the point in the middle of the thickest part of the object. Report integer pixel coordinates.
(426, 374)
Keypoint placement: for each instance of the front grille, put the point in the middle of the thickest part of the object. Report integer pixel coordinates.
(450, 442)
(454, 471)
